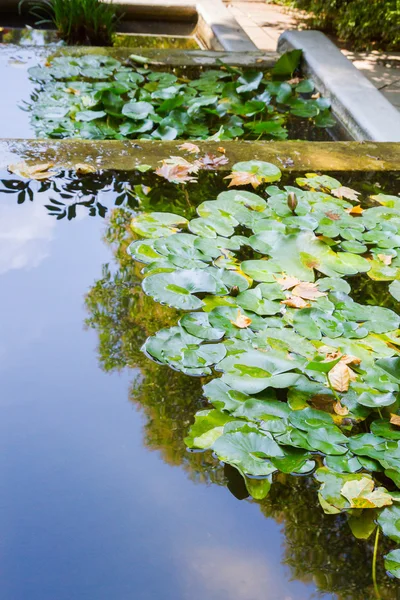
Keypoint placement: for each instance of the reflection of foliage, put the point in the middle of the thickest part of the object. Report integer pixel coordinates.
(318, 547)
(154, 41)
(322, 548)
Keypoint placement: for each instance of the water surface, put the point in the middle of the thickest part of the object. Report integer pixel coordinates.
(99, 497)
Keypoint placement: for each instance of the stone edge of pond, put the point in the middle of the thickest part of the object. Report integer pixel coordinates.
(128, 155)
(356, 103)
(174, 57)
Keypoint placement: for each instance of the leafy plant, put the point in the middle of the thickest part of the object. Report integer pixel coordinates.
(99, 97)
(305, 370)
(85, 22)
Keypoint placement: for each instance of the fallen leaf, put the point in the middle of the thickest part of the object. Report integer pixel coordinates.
(355, 210)
(221, 149)
(244, 178)
(332, 216)
(316, 96)
(71, 90)
(349, 359)
(340, 409)
(361, 494)
(39, 172)
(84, 169)
(296, 302)
(211, 162)
(345, 192)
(339, 377)
(385, 258)
(189, 147)
(177, 170)
(241, 321)
(287, 282)
(395, 419)
(307, 291)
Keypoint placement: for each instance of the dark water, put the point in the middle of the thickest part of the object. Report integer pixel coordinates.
(99, 498)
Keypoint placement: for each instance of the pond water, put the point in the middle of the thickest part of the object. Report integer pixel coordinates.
(29, 36)
(100, 498)
(27, 103)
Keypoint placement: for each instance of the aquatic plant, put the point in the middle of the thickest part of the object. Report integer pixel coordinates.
(84, 22)
(100, 97)
(309, 378)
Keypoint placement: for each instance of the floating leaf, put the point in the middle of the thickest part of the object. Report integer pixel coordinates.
(177, 289)
(346, 192)
(241, 321)
(392, 562)
(361, 494)
(154, 225)
(40, 171)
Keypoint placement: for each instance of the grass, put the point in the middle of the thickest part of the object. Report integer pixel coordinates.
(78, 22)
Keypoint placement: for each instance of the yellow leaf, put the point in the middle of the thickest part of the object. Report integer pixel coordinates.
(345, 192)
(84, 169)
(355, 210)
(339, 377)
(308, 291)
(340, 409)
(296, 302)
(189, 147)
(385, 258)
(71, 90)
(39, 172)
(361, 494)
(221, 149)
(287, 282)
(395, 419)
(241, 321)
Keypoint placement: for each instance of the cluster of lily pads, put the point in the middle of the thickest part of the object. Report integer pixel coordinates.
(309, 378)
(100, 97)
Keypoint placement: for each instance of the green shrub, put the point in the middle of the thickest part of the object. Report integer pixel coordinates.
(87, 22)
(367, 24)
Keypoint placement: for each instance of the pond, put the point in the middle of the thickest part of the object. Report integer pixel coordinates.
(100, 497)
(159, 95)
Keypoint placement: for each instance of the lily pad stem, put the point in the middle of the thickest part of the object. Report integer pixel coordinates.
(336, 396)
(376, 589)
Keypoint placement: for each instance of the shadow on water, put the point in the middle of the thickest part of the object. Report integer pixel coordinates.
(318, 549)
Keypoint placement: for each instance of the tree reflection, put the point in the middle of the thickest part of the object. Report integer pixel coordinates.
(319, 548)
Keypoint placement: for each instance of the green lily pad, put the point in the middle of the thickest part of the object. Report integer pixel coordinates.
(249, 452)
(177, 289)
(154, 225)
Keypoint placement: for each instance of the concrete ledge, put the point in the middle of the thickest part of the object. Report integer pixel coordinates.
(126, 156)
(358, 105)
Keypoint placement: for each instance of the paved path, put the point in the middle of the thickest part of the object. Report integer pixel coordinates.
(264, 23)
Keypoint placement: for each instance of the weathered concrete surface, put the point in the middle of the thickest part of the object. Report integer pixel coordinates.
(170, 56)
(126, 156)
(360, 107)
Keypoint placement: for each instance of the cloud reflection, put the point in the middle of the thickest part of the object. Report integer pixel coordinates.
(25, 236)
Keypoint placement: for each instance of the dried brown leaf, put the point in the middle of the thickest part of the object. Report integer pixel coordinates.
(296, 302)
(244, 178)
(84, 169)
(39, 171)
(189, 147)
(211, 162)
(307, 291)
(287, 281)
(395, 419)
(340, 409)
(177, 170)
(345, 192)
(241, 321)
(339, 377)
(221, 149)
